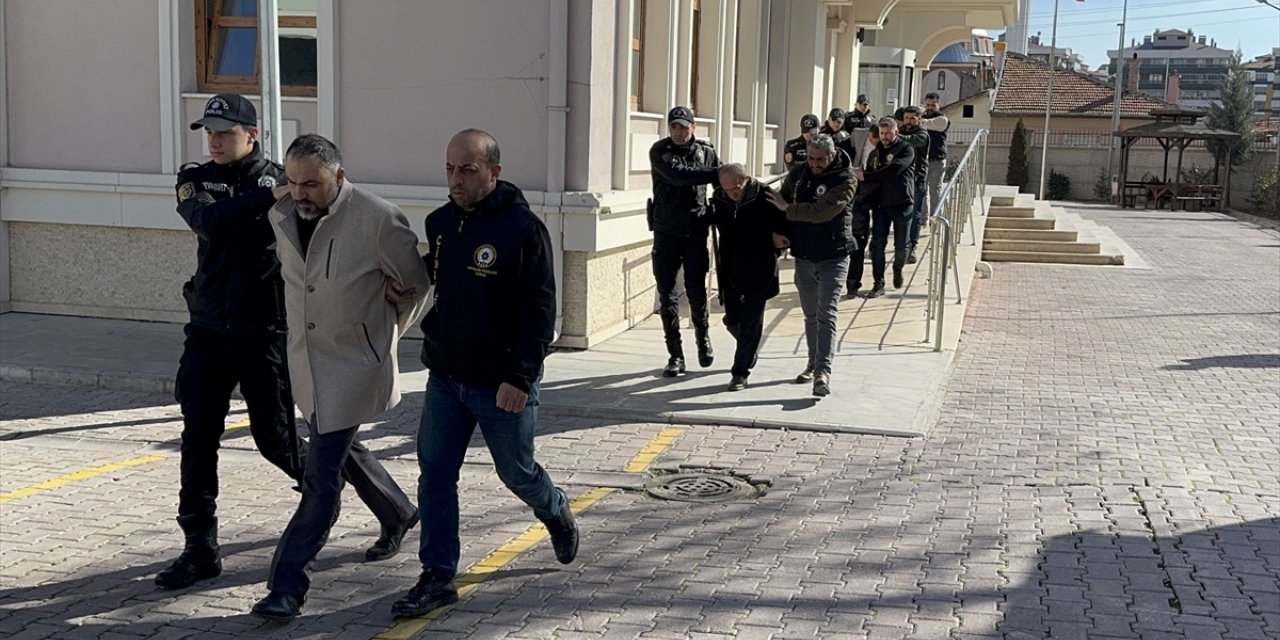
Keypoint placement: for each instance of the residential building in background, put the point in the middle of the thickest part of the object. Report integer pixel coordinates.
(1196, 60)
(962, 70)
(1264, 81)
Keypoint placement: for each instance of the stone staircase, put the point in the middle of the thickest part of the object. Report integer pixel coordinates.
(1022, 229)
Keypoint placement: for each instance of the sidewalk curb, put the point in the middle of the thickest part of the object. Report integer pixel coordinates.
(114, 380)
(674, 417)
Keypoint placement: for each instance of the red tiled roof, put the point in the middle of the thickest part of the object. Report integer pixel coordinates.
(1021, 91)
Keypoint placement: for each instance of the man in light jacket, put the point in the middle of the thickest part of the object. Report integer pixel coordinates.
(339, 248)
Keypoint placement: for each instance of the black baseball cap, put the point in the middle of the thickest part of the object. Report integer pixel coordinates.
(836, 114)
(862, 98)
(808, 121)
(680, 114)
(227, 110)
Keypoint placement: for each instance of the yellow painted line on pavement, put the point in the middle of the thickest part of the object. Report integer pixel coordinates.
(85, 474)
(78, 475)
(492, 563)
(651, 451)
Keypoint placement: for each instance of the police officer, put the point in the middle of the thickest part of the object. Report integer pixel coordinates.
(795, 152)
(860, 116)
(835, 128)
(682, 166)
(235, 335)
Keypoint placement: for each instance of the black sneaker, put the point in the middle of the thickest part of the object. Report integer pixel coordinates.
(876, 291)
(564, 532)
(434, 590)
(897, 278)
(853, 292)
(737, 383)
(675, 367)
(821, 385)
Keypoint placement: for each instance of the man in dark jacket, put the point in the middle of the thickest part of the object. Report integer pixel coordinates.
(937, 125)
(860, 224)
(236, 332)
(889, 172)
(910, 130)
(859, 117)
(834, 127)
(484, 341)
(682, 167)
(816, 199)
(752, 234)
(796, 150)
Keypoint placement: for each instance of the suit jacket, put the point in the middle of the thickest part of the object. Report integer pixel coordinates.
(342, 330)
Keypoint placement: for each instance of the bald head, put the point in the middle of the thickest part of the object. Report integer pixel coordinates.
(472, 162)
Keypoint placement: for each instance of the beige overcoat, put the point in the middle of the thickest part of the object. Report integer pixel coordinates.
(342, 331)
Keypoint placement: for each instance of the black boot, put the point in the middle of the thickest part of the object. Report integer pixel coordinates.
(564, 532)
(200, 558)
(675, 367)
(876, 291)
(911, 253)
(706, 355)
(897, 277)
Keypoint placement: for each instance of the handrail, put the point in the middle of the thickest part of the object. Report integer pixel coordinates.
(953, 212)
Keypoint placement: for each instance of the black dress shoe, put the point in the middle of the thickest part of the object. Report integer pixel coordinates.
(388, 543)
(278, 606)
(675, 367)
(876, 291)
(737, 383)
(564, 533)
(434, 589)
(706, 355)
(897, 278)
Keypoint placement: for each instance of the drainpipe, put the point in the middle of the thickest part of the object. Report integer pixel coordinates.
(557, 114)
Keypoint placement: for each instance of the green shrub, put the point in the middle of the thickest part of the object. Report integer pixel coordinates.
(1265, 200)
(1102, 186)
(1019, 157)
(1059, 186)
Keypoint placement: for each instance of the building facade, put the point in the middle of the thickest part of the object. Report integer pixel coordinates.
(1197, 61)
(97, 96)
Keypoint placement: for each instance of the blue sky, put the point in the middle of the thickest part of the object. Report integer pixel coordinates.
(1090, 28)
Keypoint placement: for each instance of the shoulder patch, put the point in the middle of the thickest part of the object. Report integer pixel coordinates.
(267, 181)
(186, 191)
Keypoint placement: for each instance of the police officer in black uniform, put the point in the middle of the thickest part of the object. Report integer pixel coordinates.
(236, 332)
(859, 117)
(682, 166)
(795, 152)
(835, 128)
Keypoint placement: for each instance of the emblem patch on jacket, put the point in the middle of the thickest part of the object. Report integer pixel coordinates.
(186, 191)
(822, 188)
(485, 257)
(267, 181)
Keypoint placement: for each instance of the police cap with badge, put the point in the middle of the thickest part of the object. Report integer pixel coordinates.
(225, 111)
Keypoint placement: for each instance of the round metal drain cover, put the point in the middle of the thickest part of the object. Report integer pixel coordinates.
(700, 487)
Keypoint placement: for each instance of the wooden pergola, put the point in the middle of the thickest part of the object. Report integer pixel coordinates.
(1175, 128)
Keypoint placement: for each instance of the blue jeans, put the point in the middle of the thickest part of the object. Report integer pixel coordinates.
(919, 209)
(819, 284)
(882, 218)
(450, 413)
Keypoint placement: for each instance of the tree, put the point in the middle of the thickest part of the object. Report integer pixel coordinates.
(1233, 111)
(1019, 157)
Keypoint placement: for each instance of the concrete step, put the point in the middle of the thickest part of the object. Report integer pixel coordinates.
(1002, 201)
(1054, 258)
(1041, 246)
(1041, 235)
(1019, 223)
(999, 211)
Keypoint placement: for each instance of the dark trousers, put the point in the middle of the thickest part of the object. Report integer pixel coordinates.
(882, 218)
(670, 252)
(213, 363)
(330, 458)
(857, 262)
(744, 318)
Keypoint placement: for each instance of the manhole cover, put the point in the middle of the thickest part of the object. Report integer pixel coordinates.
(700, 487)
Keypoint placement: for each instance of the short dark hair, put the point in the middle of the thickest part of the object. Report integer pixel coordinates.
(824, 142)
(313, 144)
(932, 95)
(888, 122)
(912, 109)
(493, 155)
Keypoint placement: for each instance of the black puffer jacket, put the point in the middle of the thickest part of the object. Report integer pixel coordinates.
(494, 305)
(819, 213)
(680, 179)
(889, 172)
(237, 285)
(748, 260)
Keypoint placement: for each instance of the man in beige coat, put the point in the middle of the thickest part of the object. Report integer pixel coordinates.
(339, 246)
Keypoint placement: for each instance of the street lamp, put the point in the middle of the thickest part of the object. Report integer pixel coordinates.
(1115, 107)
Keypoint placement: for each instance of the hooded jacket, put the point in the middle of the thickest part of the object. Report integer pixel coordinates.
(236, 286)
(680, 179)
(889, 171)
(748, 260)
(819, 214)
(493, 312)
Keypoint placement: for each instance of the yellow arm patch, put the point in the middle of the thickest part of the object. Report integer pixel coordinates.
(186, 191)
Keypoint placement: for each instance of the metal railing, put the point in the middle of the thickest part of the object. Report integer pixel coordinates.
(950, 216)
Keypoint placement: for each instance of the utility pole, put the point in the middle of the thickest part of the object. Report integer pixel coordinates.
(1048, 104)
(269, 34)
(1115, 108)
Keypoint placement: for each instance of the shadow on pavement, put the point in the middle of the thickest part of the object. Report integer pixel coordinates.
(1242, 361)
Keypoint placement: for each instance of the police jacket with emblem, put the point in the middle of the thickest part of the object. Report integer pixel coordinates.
(494, 308)
(842, 138)
(819, 213)
(855, 120)
(795, 152)
(680, 179)
(889, 172)
(236, 286)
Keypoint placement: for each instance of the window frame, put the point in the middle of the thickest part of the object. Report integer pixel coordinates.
(211, 28)
(637, 49)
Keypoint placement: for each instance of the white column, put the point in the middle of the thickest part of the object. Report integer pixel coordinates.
(327, 69)
(684, 59)
(622, 94)
(806, 59)
(752, 76)
(846, 73)
(170, 86)
(726, 62)
(269, 74)
(4, 162)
